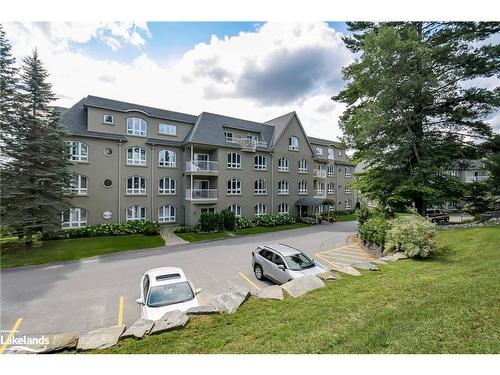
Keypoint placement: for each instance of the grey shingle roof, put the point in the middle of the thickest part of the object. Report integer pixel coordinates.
(323, 142)
(209, 129)
(95, 101)
(163, 142)
(280, 123)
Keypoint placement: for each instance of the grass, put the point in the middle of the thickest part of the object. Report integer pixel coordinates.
(447, 304)
(351, 217)
(13, 253)
(196, 237)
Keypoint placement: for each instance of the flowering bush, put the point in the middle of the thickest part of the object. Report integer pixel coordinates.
(183, 229)
(274, 220)
(131, 227)
(413, 235)
(243, 222)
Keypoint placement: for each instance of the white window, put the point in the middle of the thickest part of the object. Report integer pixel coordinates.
(108, 119)
(283, 208)
(233, 160)
(79, 185)
(252, 138)
(348, 203)
(166, 158)
(78, 151)
(136, 185)
(348, 172)
(283, 187)
(293, 143)
(260, 186)
(229, 136)
(303, 187)
(283, 165)
(347, 190)
(137, 126)
(319, 151)
(303, 166)
(331, 170)
(166, 186)
(340, 204)
(331, 188)
(235, 209)
(166, 214)
(340, 152)
(454, 173)
(260, 162)
(74, 218)
(260, 209)
(167, 129)
(136, 156)
(234, 186)
(136, 213)
(331, 154)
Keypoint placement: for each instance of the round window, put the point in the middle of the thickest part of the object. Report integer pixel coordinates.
(107, 215)
(107, 183)
(108, 151)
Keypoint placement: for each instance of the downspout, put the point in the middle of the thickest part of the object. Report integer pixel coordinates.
(191, 161)
(152, 179)
(119, 182)
(272, 183)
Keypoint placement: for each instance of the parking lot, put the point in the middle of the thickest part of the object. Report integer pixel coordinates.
(98, 292)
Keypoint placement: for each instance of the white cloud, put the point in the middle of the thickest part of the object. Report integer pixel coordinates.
(281, 67)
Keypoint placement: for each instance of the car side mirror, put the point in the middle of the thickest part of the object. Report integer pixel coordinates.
(139, 301)
(281, 267)
(197, 291)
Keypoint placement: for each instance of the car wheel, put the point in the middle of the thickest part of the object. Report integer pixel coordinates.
(257, 270)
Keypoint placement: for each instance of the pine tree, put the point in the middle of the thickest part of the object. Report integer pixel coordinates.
(35, 176)
(412, 107)
(8, 87)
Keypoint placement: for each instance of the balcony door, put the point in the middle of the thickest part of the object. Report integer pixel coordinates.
(201, 157)
(200, 184)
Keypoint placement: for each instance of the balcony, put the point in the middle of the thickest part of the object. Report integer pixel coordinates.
(319, 173)
(247, 144)
(470, 179)
(319, 193)
(201, 195)
(202, 167)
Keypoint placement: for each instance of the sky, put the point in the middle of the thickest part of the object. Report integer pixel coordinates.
(251, 70)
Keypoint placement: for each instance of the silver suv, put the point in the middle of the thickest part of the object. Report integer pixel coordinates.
(282, 263)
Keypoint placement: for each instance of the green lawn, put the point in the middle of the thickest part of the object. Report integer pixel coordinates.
(447, 304)
(14, 253)
(196, 237)
(351, 217)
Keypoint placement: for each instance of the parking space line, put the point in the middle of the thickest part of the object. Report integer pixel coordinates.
(120, 311)
(336, 248)
(11, 333)
(249, 281)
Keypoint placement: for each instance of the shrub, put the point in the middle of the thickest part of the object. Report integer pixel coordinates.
(413, 235)
(151, 228)
(211, 222)
(243, 222)
(183, 229)
(375, 229)
(362, 214)
(274, 220)
(131, 227)
(229, 219)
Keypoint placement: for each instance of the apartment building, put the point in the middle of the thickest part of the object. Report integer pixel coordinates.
(133, 162)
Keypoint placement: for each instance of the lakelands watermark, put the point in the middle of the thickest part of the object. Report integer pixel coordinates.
(23, 342)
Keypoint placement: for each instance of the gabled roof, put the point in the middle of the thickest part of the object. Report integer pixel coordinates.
(115, 105)
(280, 123)
(209, 129)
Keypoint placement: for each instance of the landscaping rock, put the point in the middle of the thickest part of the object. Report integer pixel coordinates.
(388, 258)
(365, 266)
(346, 269)
(302, 285)
(328, 276)
(100, 339)
(139, 329)
(399, 255)
(273, 292)
(171, 320)
(230, 301)
(377, 261)
(204, 310)
(61, 342)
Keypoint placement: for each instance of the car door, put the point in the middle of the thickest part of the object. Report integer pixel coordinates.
(144, 293)
(280, 275)
(265, 262)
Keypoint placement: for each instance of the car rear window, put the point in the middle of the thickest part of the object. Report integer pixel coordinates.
(171, 276)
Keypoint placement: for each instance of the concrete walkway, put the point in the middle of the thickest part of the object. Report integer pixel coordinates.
(168, 235)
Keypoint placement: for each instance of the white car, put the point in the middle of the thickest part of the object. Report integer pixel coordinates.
(166, 289)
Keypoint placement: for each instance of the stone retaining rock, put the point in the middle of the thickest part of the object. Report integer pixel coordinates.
(139, 329)
(388, 258)
(229, 301)
(399, 255)
(204, 310)
(377, 261)
(171, 320)
(61, 342)
(328, 276)
(345, 269)
(302, 285)
(273, 292)
(365, 266)
(100, 339)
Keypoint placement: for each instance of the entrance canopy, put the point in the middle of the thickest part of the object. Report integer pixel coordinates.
(314, 202)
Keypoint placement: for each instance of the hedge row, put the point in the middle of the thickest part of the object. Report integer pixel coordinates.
(148, 228)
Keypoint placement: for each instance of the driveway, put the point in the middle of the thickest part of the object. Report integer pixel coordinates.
(79, 296)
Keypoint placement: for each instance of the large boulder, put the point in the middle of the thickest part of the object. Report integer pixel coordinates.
(399, 255)
(61, 342)
(169, 321)
(204, 310)
(230, 301)
(100, 339)
(329, 276)
(302, 285)
(272, 292)
(139, 329)
(377, 261)
(345, 269)
(365, 266)
(388, 258)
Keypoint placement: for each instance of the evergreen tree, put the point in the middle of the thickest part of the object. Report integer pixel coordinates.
(35, 174)
(412, 107)
(8, 87)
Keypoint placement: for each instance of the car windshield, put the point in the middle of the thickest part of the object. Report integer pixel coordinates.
(297, 262)
(170, 294)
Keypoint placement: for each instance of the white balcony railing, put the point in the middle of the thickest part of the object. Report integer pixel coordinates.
(201, 194)
(320, 173)
(469, 179)
(202, 166)
(247, 143)
(347, 191)
(320, 194)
